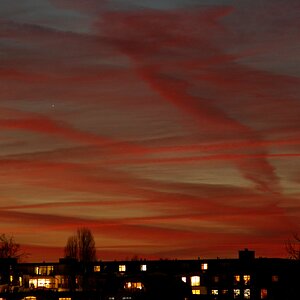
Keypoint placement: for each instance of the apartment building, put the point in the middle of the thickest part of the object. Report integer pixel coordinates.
(243, 278)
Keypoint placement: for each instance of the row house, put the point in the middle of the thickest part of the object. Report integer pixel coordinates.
(244, 278)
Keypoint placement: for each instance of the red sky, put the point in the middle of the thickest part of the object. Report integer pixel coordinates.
(170, 128)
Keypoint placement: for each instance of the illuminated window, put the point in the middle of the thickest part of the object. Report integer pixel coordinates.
(275, 278)
(133, 285)
(65, 298)
(224, 292)
(42, 282)
(195, 280)
(204, 266)
(30, 298)
(263, 294)
(247, 294)
(215, 292)
(196, 292)
(32, 283)
(246, 279)
(11, 278)
(122, 268)
(138, 285)
(97, 268)
(20, 281)
(236, 293)
(127, 285)
(144, 268)
(43, 270)
(236, 279)
(183, 279)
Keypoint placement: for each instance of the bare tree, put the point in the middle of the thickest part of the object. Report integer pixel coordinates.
(9, 248)
(81, 246)
(293, 247)
(86, 245)
(71, 249)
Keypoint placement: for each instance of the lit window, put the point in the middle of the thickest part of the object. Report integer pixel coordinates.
(122, 268)
(33, 283)
(246, 279)
(196, 292)
(30, 298)
(204, 266)
(183, 279)
(20, 281)
(195, 280)
(41, 282)
(224, 292)
(43, 270)
(97, 268)
(263, 294)
(236, 279)
(138, 285)
(236, 293)
(275, 278)
(247, 294)
(143, 268)
(127, 285)
(45, 282)
(214, 292)
(65, 298)
(133, 285)
(11, 278)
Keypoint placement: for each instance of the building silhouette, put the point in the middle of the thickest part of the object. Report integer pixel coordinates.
(245, 278)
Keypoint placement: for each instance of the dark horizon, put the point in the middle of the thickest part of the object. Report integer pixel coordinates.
(106, 257)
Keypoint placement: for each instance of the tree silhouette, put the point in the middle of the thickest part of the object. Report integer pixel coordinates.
(9, 248)
(81, 246)
(71, 249)
(293, 247)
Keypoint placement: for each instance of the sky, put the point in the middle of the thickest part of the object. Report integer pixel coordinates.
(170, 128)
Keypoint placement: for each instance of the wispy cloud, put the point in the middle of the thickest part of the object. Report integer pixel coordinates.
(158, 125)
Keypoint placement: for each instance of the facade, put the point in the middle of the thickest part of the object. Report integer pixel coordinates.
(244, 278)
